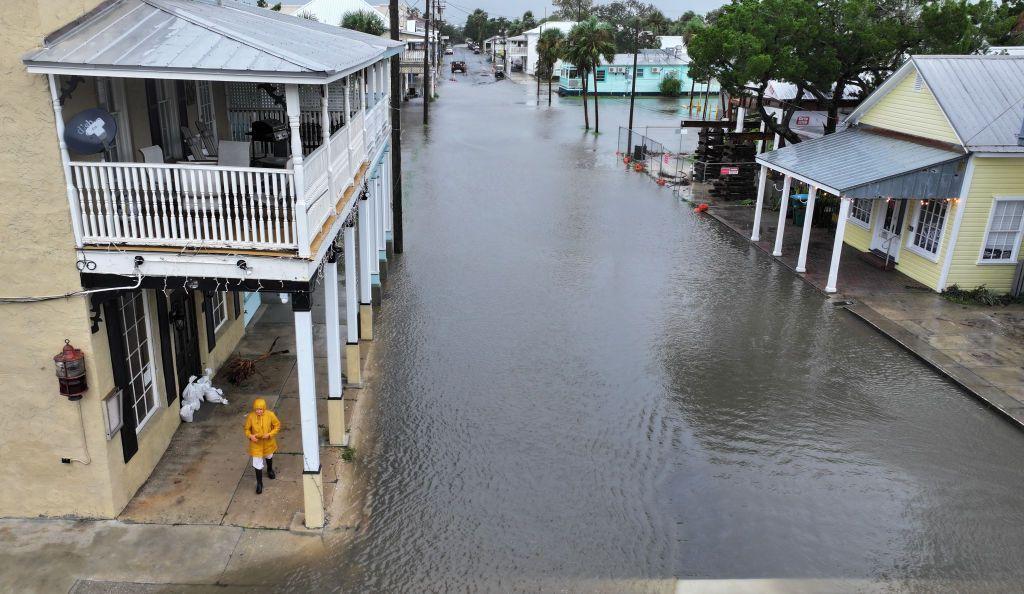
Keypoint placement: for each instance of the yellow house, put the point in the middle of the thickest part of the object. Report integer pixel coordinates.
(141, 209)
(930, 170)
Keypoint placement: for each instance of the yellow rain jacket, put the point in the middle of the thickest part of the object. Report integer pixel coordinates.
(260, 425)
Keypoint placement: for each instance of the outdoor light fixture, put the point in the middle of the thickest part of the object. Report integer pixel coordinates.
(70, 368)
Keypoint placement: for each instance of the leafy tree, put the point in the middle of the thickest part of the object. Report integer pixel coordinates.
(476, 25)
(588, 43)
(262, 4)
(574, 10)
(528, 21)
(670, 85)
(550, 47)
(367, 21)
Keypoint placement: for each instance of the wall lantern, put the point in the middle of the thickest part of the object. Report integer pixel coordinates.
(70, 368)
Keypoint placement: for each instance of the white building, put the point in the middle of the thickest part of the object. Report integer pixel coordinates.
(533, 36)
(329, 12)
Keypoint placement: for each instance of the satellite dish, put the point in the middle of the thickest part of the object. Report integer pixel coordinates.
(90, 131)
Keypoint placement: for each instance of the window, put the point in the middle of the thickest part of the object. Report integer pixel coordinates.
(167, 113)
(219, 305)
(860, 210)
(140, 391)
(204, 103)
(110, 93)
(639, 72)
(1004, 231)
(573, 73)
(599, 75)
(655, 70)
(927, 235)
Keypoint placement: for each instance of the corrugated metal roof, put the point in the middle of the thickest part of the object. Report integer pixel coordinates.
(226, 37)
(983, 97)
(650, 57)
(860, 163)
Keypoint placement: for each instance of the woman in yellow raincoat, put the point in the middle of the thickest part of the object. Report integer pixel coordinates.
(261, 425)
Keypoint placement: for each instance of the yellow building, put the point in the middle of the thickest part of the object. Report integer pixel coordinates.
(141, 191)
(930, 170)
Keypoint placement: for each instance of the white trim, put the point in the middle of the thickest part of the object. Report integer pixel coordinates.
(141, 423)
(1018, 154)
(988, 228)
(805, 179)
(871, 214)
(218, 303)
(961, 206)
(909, 242)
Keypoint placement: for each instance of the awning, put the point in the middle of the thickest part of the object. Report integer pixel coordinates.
(861, 163)
(205, 39)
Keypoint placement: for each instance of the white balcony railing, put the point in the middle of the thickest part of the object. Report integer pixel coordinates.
(191, 205)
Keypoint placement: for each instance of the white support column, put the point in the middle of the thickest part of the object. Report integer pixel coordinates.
(372, 224)
(365, 270)
(741, 114)
(335, 406)
(372, 85)
(389, 196)
(805, 236)
(837, 247)
(348, 124)
(312, 482)
(353, 368)
(760, 143)
(382, 243)
(783, 208)
(65, 161)
(755, 235)
(325, 127)
(301, 220)
(362, 90)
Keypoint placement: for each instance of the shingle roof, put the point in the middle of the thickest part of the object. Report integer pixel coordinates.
(861, 163)
(225, 38)
(983, 97)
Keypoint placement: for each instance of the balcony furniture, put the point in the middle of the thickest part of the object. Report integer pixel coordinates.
(209, 142)
(152, 154)
(194, 143)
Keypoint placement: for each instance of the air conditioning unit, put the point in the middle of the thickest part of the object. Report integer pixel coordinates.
(655, 70)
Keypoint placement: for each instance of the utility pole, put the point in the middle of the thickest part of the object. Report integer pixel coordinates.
(426, 66)
(632, 92)
(396, 134)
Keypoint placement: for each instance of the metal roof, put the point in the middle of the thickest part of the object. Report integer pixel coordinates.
(860, 163)
(650, 57)
(983, 97)
(212, 39)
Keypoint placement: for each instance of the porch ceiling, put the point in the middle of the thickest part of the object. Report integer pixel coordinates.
(860, 163)
(205, 39)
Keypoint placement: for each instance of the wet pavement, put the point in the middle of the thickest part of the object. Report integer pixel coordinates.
(584, 386)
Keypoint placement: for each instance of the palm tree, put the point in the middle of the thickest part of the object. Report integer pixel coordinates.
(367, 21)
(589, 43)
(549, 50)
(575, 54)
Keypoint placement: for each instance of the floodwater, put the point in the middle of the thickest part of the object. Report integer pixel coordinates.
(584, 386)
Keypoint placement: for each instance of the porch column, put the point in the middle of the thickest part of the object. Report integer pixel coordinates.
(372, 85)
(65, 161)
(382, 241)
(348, 132)
(755, 235)
(365, 268)
(741, 114)
(291, 93)
(362, 90)
(312, 481)
(837, 247)
(325, 128)
(389, 226)
(760, 143)
(353, 367)
(805, 237)
(335, 405)
(783, 208)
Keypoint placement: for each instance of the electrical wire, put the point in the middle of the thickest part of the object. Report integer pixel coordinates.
(35, 299)
(85, 443)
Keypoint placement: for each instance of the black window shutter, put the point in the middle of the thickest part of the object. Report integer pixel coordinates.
(115, 338)
(165, 347)
(211, 333)
(154, 114)
(238, 303)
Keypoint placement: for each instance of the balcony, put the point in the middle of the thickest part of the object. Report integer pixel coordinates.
(205, 205)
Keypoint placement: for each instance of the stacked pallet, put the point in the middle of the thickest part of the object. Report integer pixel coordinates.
(710, 144)
(739, 182)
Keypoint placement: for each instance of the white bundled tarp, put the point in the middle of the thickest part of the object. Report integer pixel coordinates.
(198, 390)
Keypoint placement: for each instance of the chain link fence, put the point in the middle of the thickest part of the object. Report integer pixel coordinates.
(644, 153)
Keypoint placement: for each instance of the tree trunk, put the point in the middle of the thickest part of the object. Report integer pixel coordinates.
(586, 114)
(549, 90)
(597, 114)
(538, 85)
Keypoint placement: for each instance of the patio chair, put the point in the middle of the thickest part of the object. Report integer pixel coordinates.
(152, 154)
(233, 153)
(194, 143)
(209, 142)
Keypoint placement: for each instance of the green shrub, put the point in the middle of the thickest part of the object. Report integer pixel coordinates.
(980, 295)
(671, 86)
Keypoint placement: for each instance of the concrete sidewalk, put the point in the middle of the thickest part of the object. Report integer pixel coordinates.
(980, 348)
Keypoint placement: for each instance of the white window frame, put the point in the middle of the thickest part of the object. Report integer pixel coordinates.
(871, 212)
(988, 228)
(117, 107)
(153, 390)
(167, 113)
(916, 218)
(219, 309)
(204, 91)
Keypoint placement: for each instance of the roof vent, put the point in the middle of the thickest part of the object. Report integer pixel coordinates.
(918, 82)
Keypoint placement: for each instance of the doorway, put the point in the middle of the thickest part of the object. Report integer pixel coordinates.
(886, 239)
(185, 330)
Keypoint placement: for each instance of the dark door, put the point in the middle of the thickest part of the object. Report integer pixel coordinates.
(185, 331)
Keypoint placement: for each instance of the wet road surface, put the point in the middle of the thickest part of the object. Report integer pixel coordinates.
(586, 386)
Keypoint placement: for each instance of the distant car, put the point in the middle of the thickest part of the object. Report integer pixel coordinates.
(458, 66)
(476, 50)
(517, 66)
(448, 51)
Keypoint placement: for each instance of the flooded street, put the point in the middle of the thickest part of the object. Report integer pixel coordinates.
(582, 385)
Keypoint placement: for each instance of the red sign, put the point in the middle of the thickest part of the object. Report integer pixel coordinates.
(803, 120)
(730, 171)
